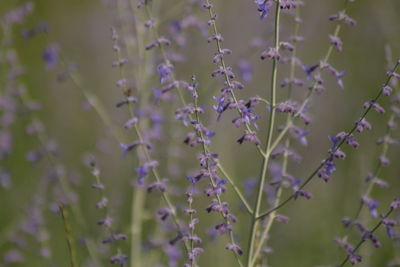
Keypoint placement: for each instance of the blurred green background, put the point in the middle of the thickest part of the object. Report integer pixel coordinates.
(82, 29)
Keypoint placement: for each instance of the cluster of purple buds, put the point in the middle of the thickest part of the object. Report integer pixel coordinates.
(341, 16)
(106, 221)
(353, 257)
(165, 71)
(329, 166)
(371, 204)
(264, 7)
(190, 236)
(160, 41)
(143, 170)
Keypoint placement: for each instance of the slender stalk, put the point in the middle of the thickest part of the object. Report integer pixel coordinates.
(138, 194)
(192, 262)
(138, 200)
(378, 168)
(271, 218)
(376, 172)
(231, 237)
(96, 174)
(265, 233)
(68, 235)
(384, 151)
(236, 188)
(98, 108)
(266, 159)
(363, 240)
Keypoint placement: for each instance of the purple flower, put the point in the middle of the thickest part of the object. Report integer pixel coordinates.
(164, 70)
(13, 256)
(387, 90)
(336, 42)
(144, 169)
(327, 170)
(119, 259)
(264, 7)
(389, 225)
(221, 107)
(193, 179)
(309, 70)
(219, 185)
(249, 136)
(245, 70)
(235, 248)
(50, 55)
(300, 135)
(303, 193)
(246, 118)
(372, 205)
(395, 204)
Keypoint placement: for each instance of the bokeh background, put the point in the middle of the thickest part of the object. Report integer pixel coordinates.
(82, 30)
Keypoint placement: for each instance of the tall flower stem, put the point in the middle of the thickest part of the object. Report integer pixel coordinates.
(225, 218)
(138, 194)
(69, 237)
(279, 191)
(266, 159)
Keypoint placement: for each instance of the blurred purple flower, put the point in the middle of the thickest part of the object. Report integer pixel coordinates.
(264, 7)
(51, 55)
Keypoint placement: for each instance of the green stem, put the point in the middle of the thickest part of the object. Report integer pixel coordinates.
(138, 200)
(266, 159)
(271, 220)
(69, 237)
(236, 188)
(363, 240)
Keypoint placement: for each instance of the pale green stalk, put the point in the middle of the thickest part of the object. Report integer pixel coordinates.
(263, 176)
(139, 195)
(192, 263)
(236, 188)
(68, 236)
(271, 219)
